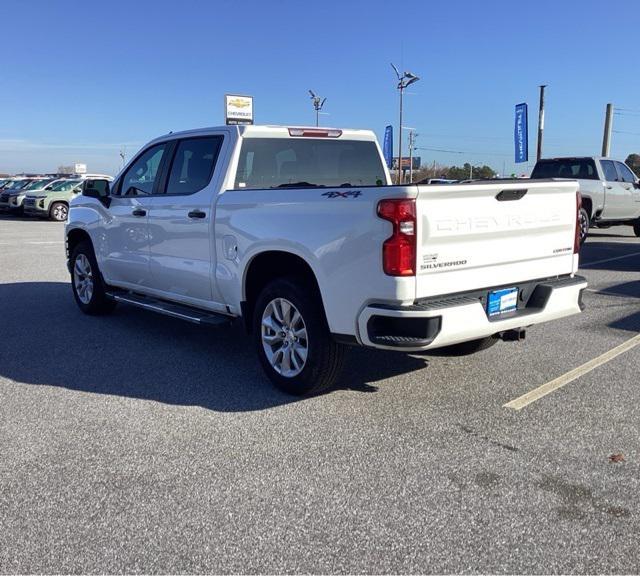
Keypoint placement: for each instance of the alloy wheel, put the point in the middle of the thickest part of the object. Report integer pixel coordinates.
(60, 212)
(83, 279)
(284, 337)
(584, 225)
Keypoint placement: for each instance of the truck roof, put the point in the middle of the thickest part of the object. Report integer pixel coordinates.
(576, 158)
(272, 131)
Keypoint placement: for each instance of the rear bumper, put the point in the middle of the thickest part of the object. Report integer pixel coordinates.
(434, 323)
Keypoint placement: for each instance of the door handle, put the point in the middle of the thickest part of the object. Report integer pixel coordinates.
(139, 212)
(196, 214)
(609, 187)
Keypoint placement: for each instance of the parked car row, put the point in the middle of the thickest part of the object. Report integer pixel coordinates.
(43, 196)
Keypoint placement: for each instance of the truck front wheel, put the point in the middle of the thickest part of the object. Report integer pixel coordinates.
(292, 338)
(636, 227)
(88, 287)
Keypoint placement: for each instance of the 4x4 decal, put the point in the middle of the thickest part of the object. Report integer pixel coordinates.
(346, 194)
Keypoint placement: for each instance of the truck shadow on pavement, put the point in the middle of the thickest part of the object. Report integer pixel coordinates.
(624, 289)
(614, 256)
(630, 323)
(46, 340)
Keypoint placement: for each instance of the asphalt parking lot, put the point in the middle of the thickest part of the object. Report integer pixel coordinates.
(138, 443)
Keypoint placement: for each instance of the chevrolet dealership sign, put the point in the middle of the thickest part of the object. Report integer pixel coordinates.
(238, 109)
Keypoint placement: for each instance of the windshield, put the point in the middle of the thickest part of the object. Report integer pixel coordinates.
(583, 168)
(36, 184)
(64, 186)
(17, 184)
(291, 162)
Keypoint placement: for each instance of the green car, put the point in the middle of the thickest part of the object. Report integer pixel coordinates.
(52, 203)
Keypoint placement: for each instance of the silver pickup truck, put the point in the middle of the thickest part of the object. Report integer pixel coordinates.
(610, 190)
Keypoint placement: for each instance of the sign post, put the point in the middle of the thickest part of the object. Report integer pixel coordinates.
(238, 109)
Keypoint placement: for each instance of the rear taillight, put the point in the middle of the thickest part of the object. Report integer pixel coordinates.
(576, 241)
(399, 250)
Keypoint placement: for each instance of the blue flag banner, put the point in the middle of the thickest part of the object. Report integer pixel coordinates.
(387, 148)
(521, 133)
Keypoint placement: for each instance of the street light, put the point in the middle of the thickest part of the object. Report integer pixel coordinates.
(318, 103)
(405, 79)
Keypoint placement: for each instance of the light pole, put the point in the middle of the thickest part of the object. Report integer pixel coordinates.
(540, 122)
(412, 143)
(608, 122)
(404, 80)
(318, 103)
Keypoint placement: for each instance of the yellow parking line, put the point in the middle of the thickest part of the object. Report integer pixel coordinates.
(541, 391)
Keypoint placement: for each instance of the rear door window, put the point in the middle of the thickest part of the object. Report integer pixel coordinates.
(609, 169)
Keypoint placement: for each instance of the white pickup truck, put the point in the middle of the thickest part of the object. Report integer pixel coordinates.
(298, 233)
(610, 190)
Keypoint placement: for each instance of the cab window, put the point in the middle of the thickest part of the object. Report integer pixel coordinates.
(582, 168)
(610, 174)
(140, 178)
(625, 173)
(193, 164)
(308, 162)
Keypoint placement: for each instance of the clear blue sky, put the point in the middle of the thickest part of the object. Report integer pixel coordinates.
(80, 79)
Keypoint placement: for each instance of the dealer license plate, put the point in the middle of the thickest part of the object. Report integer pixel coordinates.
(502, 301)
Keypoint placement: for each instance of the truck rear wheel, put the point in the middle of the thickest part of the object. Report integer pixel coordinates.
(88, 287)
(636, 227)
(585, 223)
(292, 338)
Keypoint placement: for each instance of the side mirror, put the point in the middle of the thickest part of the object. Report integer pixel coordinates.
(98, 189)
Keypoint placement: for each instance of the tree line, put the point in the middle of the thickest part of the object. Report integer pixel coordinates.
(467, 171)
(633, 161)
(463, 172)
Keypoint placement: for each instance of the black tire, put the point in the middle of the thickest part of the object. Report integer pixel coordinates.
(636, 227)
(59, 212)
(585, 223)
(324, 356)
(96, 302)
(471, 347)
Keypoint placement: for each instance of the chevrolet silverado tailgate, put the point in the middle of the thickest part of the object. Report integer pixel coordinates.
(487, 234)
